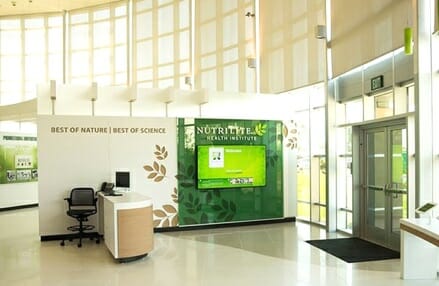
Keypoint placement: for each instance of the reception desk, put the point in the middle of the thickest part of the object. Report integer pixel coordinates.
(419, 248)
(126, 224)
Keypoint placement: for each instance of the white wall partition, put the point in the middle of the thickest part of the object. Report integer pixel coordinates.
(78, 151)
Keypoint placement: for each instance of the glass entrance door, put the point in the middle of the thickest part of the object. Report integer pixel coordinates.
(385, 184)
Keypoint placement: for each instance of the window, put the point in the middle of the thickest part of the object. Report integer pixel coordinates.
(161, 52)
(98, 45)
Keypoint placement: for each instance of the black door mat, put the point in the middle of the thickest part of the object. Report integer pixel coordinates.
(354, 249)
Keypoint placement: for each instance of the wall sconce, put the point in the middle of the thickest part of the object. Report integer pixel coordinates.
(251, 63)
(188, 80)
(320, 32)
(408, 41)
(53, 89)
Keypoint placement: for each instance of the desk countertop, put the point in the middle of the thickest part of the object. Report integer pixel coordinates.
(425, 228)
(129, 200)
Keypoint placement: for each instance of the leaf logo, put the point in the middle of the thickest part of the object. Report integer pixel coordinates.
(260, 129)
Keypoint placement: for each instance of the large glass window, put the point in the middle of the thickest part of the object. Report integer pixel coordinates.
(224, 39)
(311, 154)
(161, 51)
(30, 53)
(98, 45)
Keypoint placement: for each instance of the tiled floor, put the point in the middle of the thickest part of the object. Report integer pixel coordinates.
(267, 255)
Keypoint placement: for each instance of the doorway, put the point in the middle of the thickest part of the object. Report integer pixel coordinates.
(383, 175)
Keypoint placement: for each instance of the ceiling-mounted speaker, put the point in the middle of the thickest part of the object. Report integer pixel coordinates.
(94, 91)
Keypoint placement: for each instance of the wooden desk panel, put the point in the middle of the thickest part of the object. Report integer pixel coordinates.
(135, 232)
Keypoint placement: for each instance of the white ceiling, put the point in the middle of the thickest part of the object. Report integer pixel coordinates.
(44, 6)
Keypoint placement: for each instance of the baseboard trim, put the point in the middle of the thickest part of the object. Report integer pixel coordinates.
(67, 236)
(224, 225)
(18, 207)
(185, 228)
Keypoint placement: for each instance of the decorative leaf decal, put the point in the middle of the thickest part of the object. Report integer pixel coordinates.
(185, 176)
(285, 130)
(160, 153)
(174, 220)
(291, 135)
(169, 209)
(156, 171)
(174, 196)
(190, 220)
(260, 129)
(204, 218)
(159, 213)
(166, 217)
(148, 168)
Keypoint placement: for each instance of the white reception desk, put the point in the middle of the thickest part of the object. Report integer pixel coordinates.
(419, 248)
(126, 224)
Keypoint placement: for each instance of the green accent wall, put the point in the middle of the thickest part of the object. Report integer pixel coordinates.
(228, 204)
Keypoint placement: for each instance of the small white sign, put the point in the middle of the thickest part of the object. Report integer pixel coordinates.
(216, 157)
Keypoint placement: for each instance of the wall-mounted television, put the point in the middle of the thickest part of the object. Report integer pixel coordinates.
(230, 166)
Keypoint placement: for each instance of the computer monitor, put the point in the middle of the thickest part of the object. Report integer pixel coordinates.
(122, 180)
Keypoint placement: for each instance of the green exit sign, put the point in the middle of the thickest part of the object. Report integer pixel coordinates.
(376, 82)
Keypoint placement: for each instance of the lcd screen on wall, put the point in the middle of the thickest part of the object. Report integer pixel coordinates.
(230, 166)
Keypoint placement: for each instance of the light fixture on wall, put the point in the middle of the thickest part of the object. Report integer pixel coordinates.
(436, 18)
(408, 41)
(251, 62)
(188, 80)
(320, 32)
(408, 32)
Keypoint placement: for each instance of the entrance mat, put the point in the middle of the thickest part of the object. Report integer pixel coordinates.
(354, 249)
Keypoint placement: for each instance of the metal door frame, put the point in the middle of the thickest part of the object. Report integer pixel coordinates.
(359, 170)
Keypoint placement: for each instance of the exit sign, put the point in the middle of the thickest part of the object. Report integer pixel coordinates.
(376, 82)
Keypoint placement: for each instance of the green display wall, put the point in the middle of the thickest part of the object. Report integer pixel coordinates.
(229, 204)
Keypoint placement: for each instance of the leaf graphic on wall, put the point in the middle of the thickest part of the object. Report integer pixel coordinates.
(175, 196)
(291, 135)
(185, 175)
(160, 152)
(166, 217)
(157, 171)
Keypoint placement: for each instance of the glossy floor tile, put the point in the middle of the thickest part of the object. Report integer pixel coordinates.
(274, 254)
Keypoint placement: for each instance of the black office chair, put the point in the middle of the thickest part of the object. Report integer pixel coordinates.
(82, 204)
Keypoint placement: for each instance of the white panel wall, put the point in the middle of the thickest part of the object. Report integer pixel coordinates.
(19, 194)
(69, 157)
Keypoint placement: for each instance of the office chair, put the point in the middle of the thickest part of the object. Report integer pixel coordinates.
(82, 204)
